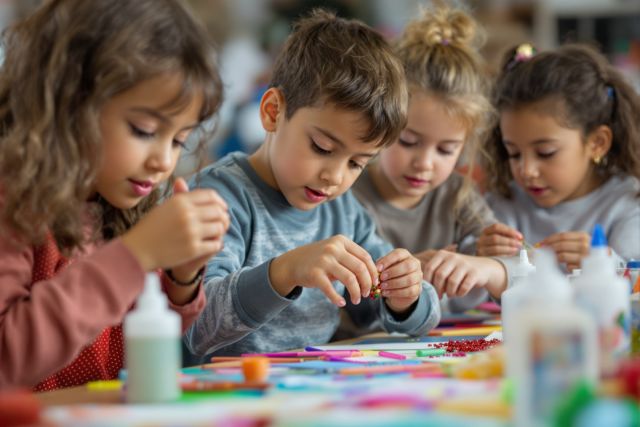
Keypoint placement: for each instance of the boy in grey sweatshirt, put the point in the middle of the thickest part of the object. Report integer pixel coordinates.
(299, 242)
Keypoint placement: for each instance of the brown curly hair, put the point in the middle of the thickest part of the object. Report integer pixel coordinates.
(586, 92)
(61, 65)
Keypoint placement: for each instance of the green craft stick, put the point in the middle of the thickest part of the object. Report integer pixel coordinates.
(430, 352)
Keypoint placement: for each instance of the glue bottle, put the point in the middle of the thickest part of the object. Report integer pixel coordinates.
(605, 295)
(554, 349)
(518, 292)
(152, 340)
(633, 271)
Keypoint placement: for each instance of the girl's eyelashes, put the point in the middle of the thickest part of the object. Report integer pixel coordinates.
(142, 134)
(180, 144)
(181, 140)
(139, 133)
(445, 152)
(546, 155)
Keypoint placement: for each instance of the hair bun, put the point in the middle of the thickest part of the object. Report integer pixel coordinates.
(442, 25)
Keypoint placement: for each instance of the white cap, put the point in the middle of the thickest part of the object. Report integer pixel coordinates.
(152, 297)
(548, 280)
(152, 315)
(524, 267)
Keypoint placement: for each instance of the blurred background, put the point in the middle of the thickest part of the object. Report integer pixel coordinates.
(249, 34)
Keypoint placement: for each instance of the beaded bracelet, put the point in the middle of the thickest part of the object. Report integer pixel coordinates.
(190, 283)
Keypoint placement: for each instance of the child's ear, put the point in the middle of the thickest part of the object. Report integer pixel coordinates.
(271, 108)
(599, 142)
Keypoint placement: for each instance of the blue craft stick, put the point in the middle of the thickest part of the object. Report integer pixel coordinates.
(310, 348)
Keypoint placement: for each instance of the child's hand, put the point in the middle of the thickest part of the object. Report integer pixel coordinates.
(499, 240)
(570, 247)
(186, 272)
(182, 233)
(317, 264)
(400, 279)
(425, 256)
(457, 274)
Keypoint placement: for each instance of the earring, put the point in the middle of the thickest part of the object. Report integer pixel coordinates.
(597, 160)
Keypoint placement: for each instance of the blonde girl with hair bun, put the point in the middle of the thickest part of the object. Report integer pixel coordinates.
(417, 198)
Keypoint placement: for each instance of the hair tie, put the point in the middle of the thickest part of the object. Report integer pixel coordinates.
(611, 92)
(523, 53)
(445, 42)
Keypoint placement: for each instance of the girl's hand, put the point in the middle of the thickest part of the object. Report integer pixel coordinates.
(425, 256)
(570, 247)
(499, 240)
(457, 274)
(182, 233)
(317, 264)
(400, 279)
(185, 273)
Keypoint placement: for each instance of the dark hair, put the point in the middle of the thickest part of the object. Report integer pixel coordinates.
(61, 65)
(586, 92)
(330, 60)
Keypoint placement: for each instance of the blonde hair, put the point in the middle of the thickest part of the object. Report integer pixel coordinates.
(61, 65)
(439, 54)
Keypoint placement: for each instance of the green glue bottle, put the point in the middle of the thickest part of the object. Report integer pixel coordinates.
(152, 342)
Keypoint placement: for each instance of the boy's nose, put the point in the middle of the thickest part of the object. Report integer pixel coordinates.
(332, 175)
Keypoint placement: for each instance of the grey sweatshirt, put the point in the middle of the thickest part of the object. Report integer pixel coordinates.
(431, 224)
(615, 205)
(244, 314)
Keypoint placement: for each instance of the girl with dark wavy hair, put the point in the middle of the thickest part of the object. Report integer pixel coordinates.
(97, 99)
(564, 155)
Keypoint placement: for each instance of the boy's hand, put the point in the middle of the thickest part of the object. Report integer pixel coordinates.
(499, 240)
(456, 274)
(317, 264)
(182, 233)
(570, 247)
(400, 279)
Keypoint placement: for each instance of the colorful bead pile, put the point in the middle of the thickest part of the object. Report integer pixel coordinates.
(467, 346)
